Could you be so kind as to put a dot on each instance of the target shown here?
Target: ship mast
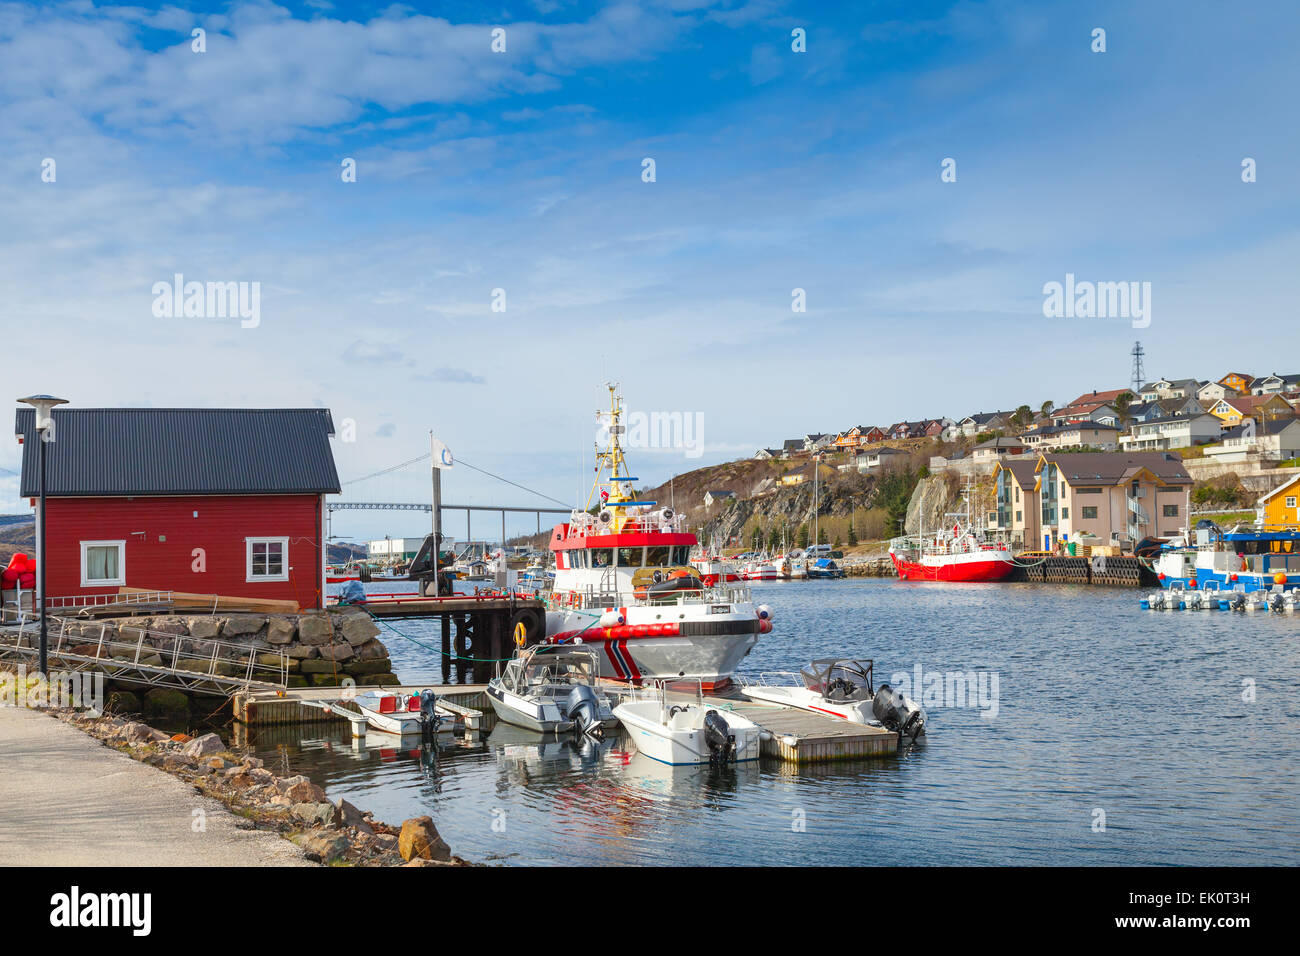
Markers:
(618, 484)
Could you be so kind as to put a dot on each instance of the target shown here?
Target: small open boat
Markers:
(551, 688)
(688, 733)
(400, 713)
(842, 687)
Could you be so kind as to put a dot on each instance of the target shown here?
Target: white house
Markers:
(1164, 433)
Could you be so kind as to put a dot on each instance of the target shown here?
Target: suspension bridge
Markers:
(556, 507)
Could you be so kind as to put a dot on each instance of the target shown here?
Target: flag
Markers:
(441, 453)
(604, 495)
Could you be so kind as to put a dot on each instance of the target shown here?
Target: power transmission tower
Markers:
(1139, 374)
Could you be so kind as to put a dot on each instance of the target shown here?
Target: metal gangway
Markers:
(141, 655)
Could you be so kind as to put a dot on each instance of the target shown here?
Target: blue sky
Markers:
(521, 170)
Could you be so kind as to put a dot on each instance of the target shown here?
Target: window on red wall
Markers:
(267, 559)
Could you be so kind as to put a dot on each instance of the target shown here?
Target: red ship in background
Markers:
(959, 553)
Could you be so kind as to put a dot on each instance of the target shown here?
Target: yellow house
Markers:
(1278, 508)
(1230, 411)
(794, 479)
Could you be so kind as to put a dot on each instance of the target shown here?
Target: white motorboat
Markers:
(689, 733)
(842, 687)
(551, 688)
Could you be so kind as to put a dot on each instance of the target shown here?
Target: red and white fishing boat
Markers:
(624, 584)
(958, 554)
(714, 570)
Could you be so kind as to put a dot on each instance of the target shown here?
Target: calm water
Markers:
(1100, 706)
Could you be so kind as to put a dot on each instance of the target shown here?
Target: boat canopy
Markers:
(547, 665)
(839, 678)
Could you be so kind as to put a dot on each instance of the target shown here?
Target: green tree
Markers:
(821, 535)
(756, 539)
(803, 536)
(1123, 402)
(1046, 408)
(773, 539)
(853, 534)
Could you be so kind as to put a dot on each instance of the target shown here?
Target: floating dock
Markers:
(793, 736)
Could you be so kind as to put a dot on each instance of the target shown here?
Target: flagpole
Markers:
(437, 510)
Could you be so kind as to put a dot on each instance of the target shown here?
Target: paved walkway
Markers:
(67, 800)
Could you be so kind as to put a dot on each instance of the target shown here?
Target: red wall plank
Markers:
(162, 534)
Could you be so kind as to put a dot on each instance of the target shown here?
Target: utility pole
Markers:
(436, 468)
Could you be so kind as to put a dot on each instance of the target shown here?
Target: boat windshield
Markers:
(837, 679)
(569, 667)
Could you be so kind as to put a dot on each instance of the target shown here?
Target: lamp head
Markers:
(43, 404)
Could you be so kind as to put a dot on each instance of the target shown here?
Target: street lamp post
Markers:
(43, 404)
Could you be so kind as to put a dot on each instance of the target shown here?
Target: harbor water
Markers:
(1098, 734)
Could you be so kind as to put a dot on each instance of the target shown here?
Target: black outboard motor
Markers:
(718, 735)
(1237, 601)
(583, 708)
(898, 712)
(1276, 601)
(430, 718)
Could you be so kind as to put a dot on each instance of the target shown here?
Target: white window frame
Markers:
(120, 580)
(249, 577)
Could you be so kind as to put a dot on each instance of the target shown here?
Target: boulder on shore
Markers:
(419, 839)
(204, 746)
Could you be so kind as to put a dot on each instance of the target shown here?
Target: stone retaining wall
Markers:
(323, 647)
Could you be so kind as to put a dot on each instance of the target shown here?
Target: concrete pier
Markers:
(67, 800)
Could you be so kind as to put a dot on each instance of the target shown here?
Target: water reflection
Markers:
(1102, 705)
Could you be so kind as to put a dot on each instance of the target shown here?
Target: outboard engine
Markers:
(430, 718)
(1276, 601)
(898, 712)
(583, 708)
(718, 735)
(1237, 601)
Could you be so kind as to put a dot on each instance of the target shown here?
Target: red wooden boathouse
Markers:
(215, 501)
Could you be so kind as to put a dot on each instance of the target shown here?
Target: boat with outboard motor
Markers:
(551, 688)
(1255, 559)
(689, 732)
(398, 712)
(624, 584)
(842, 687)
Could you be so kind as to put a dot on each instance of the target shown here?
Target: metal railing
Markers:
(592, 598)
(79, 601)
(143, 655)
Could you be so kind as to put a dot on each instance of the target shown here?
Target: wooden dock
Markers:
(260, 708)
(477, 631)
(794, 736)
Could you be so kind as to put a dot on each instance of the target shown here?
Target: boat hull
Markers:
(543, 717)
(663, 649)
(680, 747)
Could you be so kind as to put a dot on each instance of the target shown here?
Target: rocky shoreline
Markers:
(331, 833)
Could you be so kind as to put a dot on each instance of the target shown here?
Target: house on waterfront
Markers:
(1104, 496)
(1279, 509)
(215, 501)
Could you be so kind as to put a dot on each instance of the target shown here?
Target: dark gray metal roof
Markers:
(181, 451)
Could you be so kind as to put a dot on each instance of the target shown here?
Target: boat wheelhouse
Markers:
(624, 583)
